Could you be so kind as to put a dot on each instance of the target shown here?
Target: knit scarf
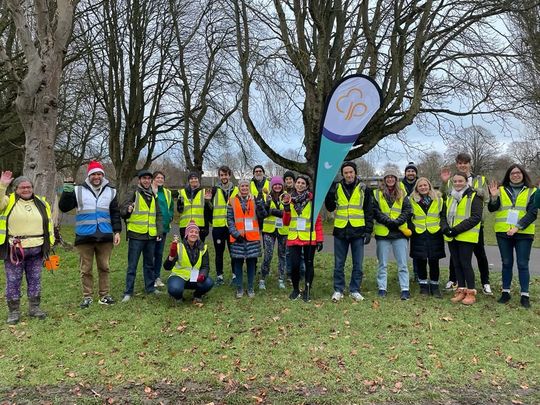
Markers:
(456, 198)
(300, 200)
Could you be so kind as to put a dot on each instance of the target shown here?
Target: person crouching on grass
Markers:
(301, 238)
(190, 266)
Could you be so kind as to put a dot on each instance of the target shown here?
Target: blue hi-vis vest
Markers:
(93, 212)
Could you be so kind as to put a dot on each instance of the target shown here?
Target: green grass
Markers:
(269, 349)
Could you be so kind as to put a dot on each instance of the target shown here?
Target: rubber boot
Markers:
(458, 295)
(435, 291)
(14, 315)
(424, 289)
(33, 308)
(470, 297)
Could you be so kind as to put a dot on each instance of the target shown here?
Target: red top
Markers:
(297, 242)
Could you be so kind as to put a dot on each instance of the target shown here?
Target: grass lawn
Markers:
(269, 349)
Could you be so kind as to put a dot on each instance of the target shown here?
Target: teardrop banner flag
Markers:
(350, 106)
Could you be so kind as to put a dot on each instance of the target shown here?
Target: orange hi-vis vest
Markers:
(243, 220)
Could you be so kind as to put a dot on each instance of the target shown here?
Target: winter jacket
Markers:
(427, 245)
(244, 249)
(125, 215)
(193, 253)
(68, 201)
(392, 224)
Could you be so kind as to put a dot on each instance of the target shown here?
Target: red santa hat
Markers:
(95, 166)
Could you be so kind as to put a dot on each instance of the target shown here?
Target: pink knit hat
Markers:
(94, 167)
(275, 180)
(190, 226)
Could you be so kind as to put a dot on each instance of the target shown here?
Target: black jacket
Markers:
(193, 254)
(477, 208)
(191, 193)
(125, 215)
(426, 245)
(392, 224)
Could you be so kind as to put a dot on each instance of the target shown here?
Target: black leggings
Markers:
(433, 269)
(220, 237)
(461, 257)
(296, 260)
(481, 258)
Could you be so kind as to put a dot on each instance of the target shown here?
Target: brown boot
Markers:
(470, 297)
(459, 294)
(14, 315)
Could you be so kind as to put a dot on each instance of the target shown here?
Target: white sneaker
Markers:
(126, 298)
(337, 296)
(262, 285)
(487, 289)
(450, 285)
(158, 283)
(281, 284)
(357, 296)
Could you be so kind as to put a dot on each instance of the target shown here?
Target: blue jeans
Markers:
(523, 253)
(341, 249)
(135, 248)
(158, 256)
(176, 286)
(399, 246)
(251, 264)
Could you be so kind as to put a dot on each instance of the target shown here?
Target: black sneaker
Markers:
(524, 300)
(424, 289)
(220, 280)
(505, 297)
(382, 293)
(107, 300)
(294, 295)
(86, 302)
(405, 295)
(306, 296)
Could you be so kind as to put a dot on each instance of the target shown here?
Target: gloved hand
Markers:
(450, 232)
(173, 251)
(319, 246)
(201, 278)
(69, 187)
(240, 239)
(392, 225)
(367, 238)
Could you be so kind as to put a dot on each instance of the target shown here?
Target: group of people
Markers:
(408, 216)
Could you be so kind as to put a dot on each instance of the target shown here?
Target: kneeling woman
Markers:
(463, 215)
(190, 265)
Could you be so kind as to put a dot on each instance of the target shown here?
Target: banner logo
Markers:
(350, 104)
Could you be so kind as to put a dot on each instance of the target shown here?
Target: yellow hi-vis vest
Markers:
(271, 222)
(349, 211)
(430, 220)
(253, 188)
(168, 196)
(182, 267)
(463, 212)
(393, 212)
(521, 206)
(219, 214)
(4, 214)
(193, 209)
(294, 232)
(143, 218)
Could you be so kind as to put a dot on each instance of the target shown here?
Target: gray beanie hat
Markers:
(391, 172)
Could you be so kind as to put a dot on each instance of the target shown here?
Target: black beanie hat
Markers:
(258, 167)
(411, 165)
(349, 164)
(288, 173)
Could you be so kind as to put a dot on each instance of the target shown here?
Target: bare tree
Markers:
(430, 165)
(478, 142)
(43, 30)
(206, 81)
(423, 54)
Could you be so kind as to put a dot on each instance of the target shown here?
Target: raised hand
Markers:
(494, 188)
(6, 178)
(446, 173)
(208, 194)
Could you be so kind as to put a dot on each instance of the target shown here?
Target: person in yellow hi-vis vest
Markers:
(221, 194)
(26, 237)
(515, 213)
(391, 210)
(166, 206)
(274, 231)
(195, 204)
(463, 215)
(190, 266)
(427, 242)
(144, 227)
(353, 224)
